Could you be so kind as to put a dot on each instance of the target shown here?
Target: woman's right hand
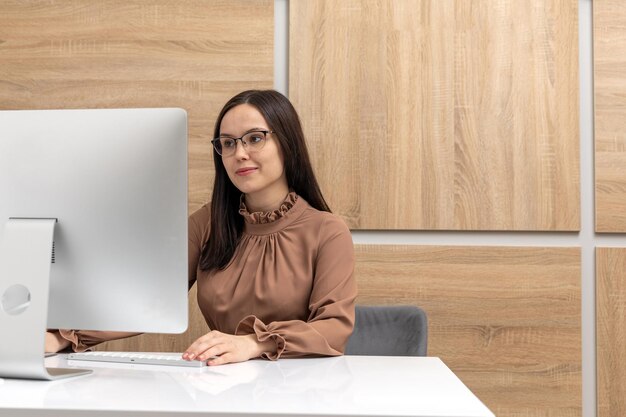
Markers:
(217, 348)
(54, 342)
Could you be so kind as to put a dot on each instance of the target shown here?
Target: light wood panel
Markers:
(611, 331)
(609, 56)
(506, 320)
(441, 114)
(162, 53)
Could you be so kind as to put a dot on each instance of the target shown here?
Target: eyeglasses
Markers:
(253, 142)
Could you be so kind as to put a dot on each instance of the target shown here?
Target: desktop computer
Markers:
(93, 227)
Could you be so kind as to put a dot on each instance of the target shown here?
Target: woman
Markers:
(274, 267)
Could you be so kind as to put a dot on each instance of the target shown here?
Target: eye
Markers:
(255, 138)
(228, 143)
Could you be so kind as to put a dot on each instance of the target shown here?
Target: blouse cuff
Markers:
(252, 325)
(76, 344)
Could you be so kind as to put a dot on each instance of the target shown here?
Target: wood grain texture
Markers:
(441, 114)
(611, 331)
(609, 62)
(506, 320)
(159, 53)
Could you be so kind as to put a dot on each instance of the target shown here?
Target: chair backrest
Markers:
(389, 331)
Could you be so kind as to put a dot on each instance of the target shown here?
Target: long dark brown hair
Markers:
(226, 222)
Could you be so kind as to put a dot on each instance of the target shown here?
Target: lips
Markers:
(245, 171)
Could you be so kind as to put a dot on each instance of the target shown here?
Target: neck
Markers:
(256, 203)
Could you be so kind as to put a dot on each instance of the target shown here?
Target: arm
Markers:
(80, 340)
(54, 341)
(331, 304)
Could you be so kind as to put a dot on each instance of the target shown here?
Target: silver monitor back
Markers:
(116, 181)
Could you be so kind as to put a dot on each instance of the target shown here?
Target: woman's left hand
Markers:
(218, 348)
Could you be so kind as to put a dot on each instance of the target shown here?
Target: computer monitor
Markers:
(93, 227)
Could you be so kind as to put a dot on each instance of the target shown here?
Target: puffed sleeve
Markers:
(81, 340)
(331, 303)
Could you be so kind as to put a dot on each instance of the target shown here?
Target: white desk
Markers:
(342, 386)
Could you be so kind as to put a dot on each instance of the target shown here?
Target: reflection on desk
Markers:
(348, 385)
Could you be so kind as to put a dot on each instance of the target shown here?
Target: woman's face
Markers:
(260, 174)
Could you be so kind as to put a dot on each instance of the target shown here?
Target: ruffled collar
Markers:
(264, 217)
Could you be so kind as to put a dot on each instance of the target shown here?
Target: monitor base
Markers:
(59, 373)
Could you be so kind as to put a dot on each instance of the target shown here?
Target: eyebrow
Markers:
(254, 129)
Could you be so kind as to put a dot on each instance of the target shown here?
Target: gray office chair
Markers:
(389, 331)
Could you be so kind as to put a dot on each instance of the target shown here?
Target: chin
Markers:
(246, 188)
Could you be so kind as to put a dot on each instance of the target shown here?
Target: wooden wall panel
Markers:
(441, 114)
(93, 54)
(611, 331)
(506, 320)
(609, 55)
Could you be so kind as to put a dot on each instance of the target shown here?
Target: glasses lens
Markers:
(225, 145)
(217, 145)
(254, 140)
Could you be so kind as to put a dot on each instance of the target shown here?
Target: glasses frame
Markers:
(215, 141)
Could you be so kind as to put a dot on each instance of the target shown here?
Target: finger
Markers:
(221, 360)
(214, 352)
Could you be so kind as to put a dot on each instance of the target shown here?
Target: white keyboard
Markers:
(144, 358)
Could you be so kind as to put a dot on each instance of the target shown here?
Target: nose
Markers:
(240, 150)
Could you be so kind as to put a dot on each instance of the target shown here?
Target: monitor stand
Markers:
(25, 258)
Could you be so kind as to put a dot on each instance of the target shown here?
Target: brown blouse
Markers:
(291, 280)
